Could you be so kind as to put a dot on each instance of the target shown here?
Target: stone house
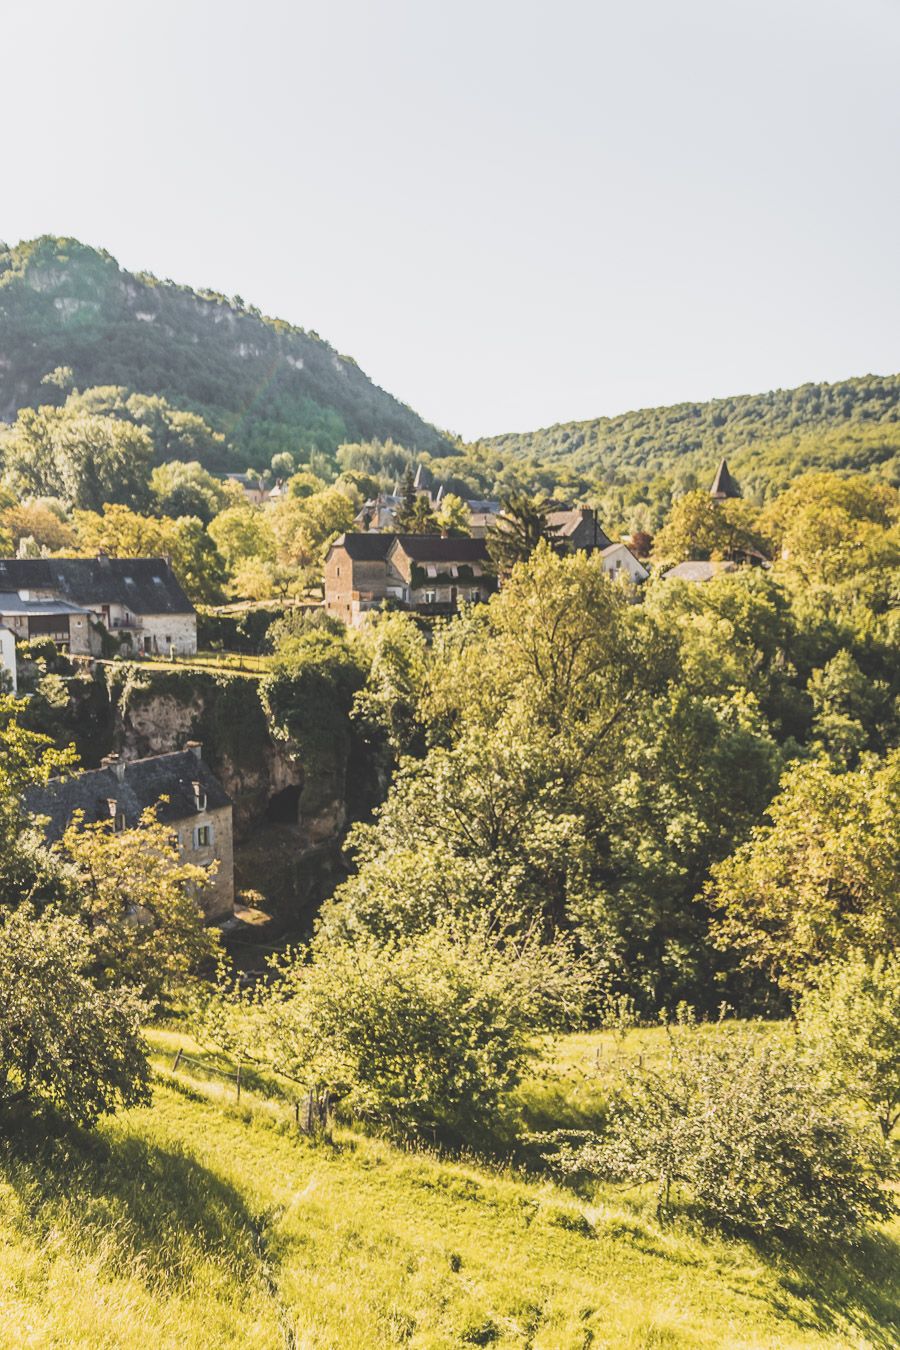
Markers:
(356, 574)
(72, 600)
(426, 573)
(434, 575)
(188, 798)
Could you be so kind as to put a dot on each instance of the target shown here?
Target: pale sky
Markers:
(510, 213)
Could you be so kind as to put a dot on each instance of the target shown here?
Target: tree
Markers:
(241, 533)
(522, 525)
(453, 516)
(699, 527)
(186, 489)
(821, 878)
(39, 520)
(405, 514)
(283, 465)
(741, 1123)
(140, 904)
(85, 460)
(63, 1040)
(852, 1016)
(426, 1034)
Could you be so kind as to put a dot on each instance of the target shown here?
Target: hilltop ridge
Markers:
(265, 383)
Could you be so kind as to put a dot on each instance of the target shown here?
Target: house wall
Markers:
(351, 586)
(621, 561)
(218, 900)
(168, 632)
(82, 639)
(8, 655)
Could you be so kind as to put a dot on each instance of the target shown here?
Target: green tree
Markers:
(852, 1016)
(63, 1040)
(428, 1034)
(698, 527)
(85, 460)
(521, 526)
(740, 1124)
(820, 878)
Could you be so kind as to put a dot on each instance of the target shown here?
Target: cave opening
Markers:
(284, 807)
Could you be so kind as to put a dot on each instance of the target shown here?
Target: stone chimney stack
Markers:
(195, 748)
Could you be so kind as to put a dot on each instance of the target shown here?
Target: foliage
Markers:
(521, 526)
(140, 902)
(64, 1040)
(268, 386)
(699, 527)
(853, 1015)
(122, 533)
(821, 878)
(85, 460)
(430, 1033)
(742, 1123)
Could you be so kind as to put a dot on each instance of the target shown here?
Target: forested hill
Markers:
(265, 384)
(768, 438)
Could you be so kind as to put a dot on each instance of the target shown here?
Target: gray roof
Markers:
(142, 585)
(698, 571)
(143, 783)
(10, 603)
(483, 506)
(433, 548)
(569, 520)
(723, 484)
(366, 546)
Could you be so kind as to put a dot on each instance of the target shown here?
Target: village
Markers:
(79, 604)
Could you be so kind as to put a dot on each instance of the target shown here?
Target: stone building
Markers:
(427, 573)
(188, 798)
(577, 530)
(72, 600)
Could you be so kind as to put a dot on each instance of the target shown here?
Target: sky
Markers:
(510, 213)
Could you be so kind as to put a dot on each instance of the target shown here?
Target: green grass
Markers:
(199, 1223)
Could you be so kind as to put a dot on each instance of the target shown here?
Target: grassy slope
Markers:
(196, 1224)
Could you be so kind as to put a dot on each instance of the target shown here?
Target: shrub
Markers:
(741, 1122)
(425, 1034)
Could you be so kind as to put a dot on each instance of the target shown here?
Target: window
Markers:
(203, 836)
(430, 597)
(337, 571)
(168, 639)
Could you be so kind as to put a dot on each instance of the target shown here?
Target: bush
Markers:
(427, 1034)
(741, 1122)
(63, 1040)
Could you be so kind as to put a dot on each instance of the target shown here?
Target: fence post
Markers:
(238, 1081)
(177, 1060)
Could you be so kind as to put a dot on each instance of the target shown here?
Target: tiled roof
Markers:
(142, 585)
(144, 782)
(367, 546)
(723, 484)
(11, 603)
(698, 571)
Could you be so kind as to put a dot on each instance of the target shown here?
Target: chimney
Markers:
(116, 762)
(195, 748)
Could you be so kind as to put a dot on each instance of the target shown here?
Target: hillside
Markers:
(267, 385)
(768, 438)
(199, 1223)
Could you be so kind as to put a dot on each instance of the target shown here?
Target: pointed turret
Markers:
(723, 484)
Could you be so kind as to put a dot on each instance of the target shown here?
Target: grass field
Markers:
(197, 1222)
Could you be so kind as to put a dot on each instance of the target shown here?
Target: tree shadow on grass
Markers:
(139, 1205)
(858, 1286)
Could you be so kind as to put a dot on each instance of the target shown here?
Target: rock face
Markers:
(290, 815)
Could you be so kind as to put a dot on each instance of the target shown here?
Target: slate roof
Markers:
(723, 484)
(367, 546)
(432, 548)
(143, 585)
(144, 782)
(567, 522)
(483, 506)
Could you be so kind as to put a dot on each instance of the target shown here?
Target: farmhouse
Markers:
(577, 530)
(181, 786)
(72, 600)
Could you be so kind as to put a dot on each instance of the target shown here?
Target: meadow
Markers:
(200, 1221)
